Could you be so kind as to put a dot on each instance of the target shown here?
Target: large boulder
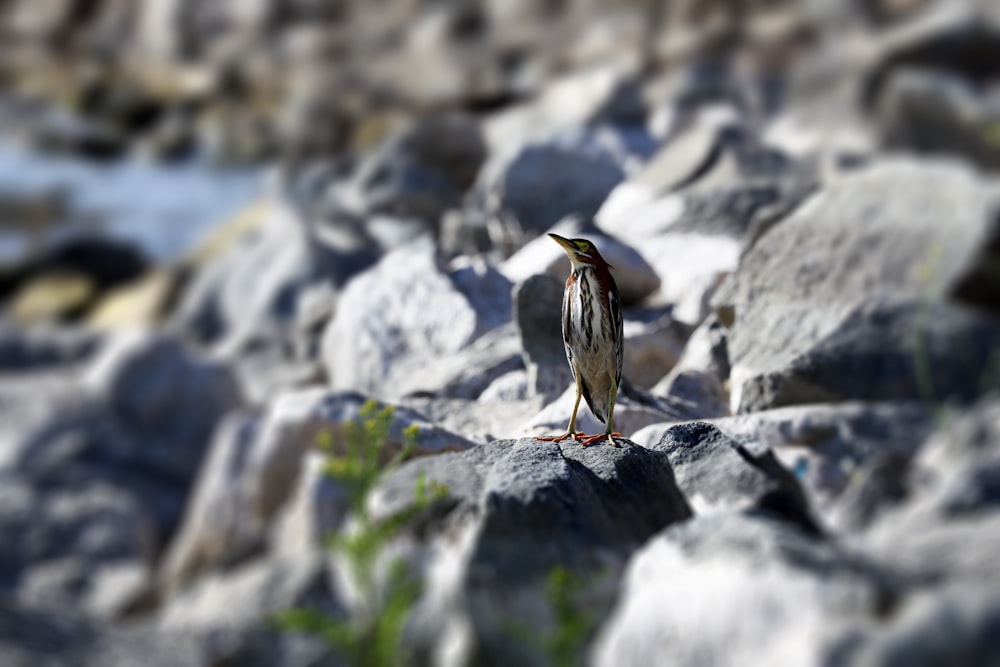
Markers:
(407, 309)
(84, 548)
(419, 174)
(543, 182)
(690, 267)
(939, 539)
(817, 315)
(938, 113)
(734, 589)
(716, 473)
(36, 348)
(250, 289)
(654, 342)
(849, 458)
(590, 97)
(960, 40)
(97, 470)
(714, 177)
(953, 626)
(166, 397)
(945, 529)
(513, 511)
(255, 467)
(467, 373)
(698, 376)
(538, 317)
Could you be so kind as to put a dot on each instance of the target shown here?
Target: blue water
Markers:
(164, 208)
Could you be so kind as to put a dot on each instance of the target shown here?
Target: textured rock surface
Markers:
(717, 473)
(514, 510)
(810, 323)
(767, 593)
(800, 204)
(541, 183)
(97, 469)
(406, 309)
(253, 468)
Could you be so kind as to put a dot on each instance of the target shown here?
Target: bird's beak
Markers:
(566, 244)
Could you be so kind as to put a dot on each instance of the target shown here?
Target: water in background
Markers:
(163, 208)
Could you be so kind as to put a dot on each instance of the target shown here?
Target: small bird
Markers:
(592, 335)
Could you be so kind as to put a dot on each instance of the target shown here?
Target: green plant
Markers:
(574, 622)
(563, 642)
(372, 638)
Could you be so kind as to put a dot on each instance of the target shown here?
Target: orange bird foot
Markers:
(560, 438)
(591, 439)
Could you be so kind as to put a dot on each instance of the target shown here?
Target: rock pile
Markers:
(802, 207)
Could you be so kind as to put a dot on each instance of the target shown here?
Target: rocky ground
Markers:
(802, 206)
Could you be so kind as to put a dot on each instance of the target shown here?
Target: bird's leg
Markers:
(572, 432)
(609, 432)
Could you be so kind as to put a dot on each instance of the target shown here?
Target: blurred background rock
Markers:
(226, 225)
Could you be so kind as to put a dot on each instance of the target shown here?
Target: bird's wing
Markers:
(567, 325)
(590, 402)
(615, 310)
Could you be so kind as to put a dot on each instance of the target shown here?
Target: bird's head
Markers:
(581, 252)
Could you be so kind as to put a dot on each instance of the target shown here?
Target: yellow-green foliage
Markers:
(574, 623)
(372, 639)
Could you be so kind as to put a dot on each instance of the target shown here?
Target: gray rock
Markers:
(482, 420)
(654, 342)
(947, 529)
(248, 595)
(716, 473)
(406, 309)
(316, 509)
(635, 278)
(690, 152)
(957, 39)
(702, 392)
(254, 466)
(514, 510)
(820, 317)
(690, 268)
(543, 182)
(828, 444)
(937, 113)
(961, 462)
(514, 386)
(29, 637)
(35, 637)
(952, 474)
(538, 317)
(251, 291)
(767, 594)
(451, 144)
(705, 351)
(831, 449)
(99, 469)
(602, 94)
(698, 377)
(165, 397)
(419, 174)
(721, 176)
(64, 545)
(467, 373)
(32, 349)
(951, 627)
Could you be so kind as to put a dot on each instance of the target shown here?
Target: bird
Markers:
(592, 336)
